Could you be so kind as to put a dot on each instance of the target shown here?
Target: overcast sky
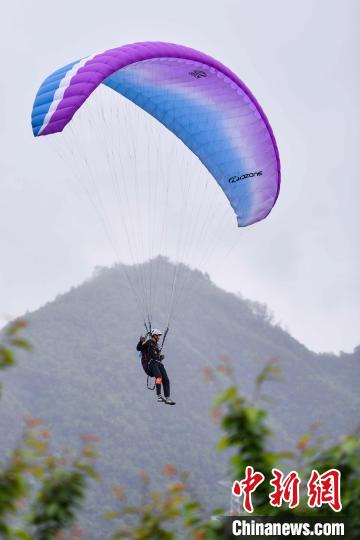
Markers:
(299, 58)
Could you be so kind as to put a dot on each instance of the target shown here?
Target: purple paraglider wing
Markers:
(196, 97)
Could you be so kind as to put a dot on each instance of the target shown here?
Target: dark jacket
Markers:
(149, 350)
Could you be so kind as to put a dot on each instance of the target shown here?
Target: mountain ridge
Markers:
(84, 376)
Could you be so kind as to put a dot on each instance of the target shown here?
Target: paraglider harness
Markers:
(149, 385)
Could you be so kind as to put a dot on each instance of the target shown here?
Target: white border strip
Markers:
(64, 84)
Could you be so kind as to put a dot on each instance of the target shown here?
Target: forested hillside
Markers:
(84, 376)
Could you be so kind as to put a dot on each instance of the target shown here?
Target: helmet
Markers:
(156, 332)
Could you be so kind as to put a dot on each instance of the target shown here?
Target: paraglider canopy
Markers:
(196, 97)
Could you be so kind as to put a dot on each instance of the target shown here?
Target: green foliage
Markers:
(40, 492)
(163, 514)
(344, 456)
(10, 342)
(270, 372)
(248, 435)
(86, 376)
(57, 502)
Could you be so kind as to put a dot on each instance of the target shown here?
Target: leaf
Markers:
(37, 472)
(303, 442)
(309, 452)
(21, 343)
(270, 372)
(218, 511)
(89, 470)
(279, 455)
(178, 487)
(15, 326)
(89, 452)
(222, 444)
(228, 395)
(192, 521)
(113, 514)
(22, 535)
(350, 444)
(6, 357)
(190, 506)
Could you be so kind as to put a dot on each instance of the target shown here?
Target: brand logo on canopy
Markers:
(234, 179)
(198, 73)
